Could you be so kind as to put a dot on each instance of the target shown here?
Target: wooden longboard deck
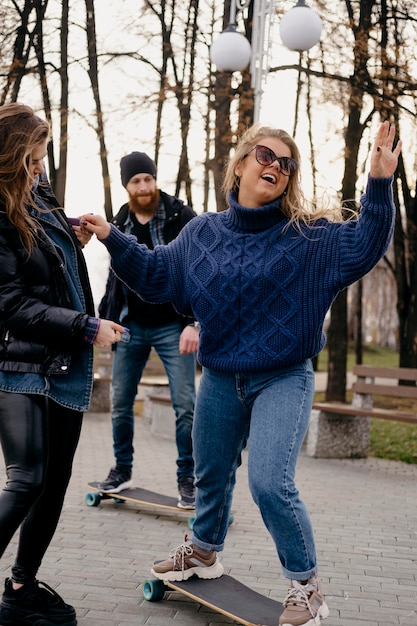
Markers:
(228, 596)
(143, 497)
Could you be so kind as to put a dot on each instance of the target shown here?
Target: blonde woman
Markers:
(260, 278)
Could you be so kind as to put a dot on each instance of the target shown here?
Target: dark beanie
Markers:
(136, 163)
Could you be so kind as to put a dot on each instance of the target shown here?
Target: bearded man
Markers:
(153, 217)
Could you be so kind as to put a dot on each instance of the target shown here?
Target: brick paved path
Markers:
(364, 514)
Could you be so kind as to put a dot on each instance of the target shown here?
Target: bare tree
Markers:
(58, 174)
(337, 332)
(377, 86)
(93, 74)
(362, 66)
(173, 18)
(24, 34)
(224, 93)
(29, 60)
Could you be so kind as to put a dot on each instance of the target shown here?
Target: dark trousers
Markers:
(39, 438)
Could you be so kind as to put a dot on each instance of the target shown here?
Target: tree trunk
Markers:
(358, 325)
(61, 172)
(405, 246)
(93, 74)
(23, 43)
(222, 134)
(337, 335)
(337, 348)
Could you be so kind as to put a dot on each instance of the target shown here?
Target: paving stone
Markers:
(363, 510)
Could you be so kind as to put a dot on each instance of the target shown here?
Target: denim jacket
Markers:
(45, 305)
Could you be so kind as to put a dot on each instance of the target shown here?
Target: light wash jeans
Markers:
(128, 364)
(270, 412)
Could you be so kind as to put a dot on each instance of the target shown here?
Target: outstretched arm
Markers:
(384, 159)
(143, 270)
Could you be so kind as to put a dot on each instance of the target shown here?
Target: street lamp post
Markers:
(300, 29)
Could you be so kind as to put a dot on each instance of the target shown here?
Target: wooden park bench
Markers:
(384, 382)
(339, 430)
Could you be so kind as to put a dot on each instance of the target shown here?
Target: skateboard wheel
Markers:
(93, 498)
(153, 589)
(231, 519)
(118, 501)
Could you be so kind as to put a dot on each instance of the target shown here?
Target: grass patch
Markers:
(372, 355)
(392, 440)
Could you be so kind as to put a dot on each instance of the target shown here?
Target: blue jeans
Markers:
(270, 411)
(128, 364)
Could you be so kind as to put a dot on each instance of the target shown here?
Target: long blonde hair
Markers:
(294, 204)
(21, 131)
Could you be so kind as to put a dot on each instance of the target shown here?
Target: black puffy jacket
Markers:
(38, 327)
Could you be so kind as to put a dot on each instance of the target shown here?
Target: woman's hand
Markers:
(384, 159)
(108, 333)
(82, 235)
(95, 224)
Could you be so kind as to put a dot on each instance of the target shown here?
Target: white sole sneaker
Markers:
(121, 487)
(214, 571)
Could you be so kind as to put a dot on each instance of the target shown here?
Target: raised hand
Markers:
(384, 159)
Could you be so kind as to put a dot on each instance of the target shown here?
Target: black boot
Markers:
(34, 604)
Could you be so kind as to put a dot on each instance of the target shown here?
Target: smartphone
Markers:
(75, 221)
(125, 336)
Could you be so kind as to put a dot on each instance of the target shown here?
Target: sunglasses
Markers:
(265, 156)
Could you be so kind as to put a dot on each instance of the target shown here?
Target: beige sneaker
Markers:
(304, 605)
(187, 560)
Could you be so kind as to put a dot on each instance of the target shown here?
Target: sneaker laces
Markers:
(298, 595)
(179, 555)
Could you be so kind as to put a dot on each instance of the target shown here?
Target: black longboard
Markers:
(137, 495)
(225, 595)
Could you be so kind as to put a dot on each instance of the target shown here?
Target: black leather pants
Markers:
(39, 438)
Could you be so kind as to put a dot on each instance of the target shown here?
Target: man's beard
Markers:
(146, 205)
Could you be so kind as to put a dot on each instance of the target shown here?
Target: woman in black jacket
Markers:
(47, 332)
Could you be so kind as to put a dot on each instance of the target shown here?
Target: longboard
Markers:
(144, 497)
(225, 595)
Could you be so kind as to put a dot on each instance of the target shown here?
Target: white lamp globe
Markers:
(300, 28)
(231, 52)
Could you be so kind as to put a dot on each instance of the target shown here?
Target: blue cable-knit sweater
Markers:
(259, 288)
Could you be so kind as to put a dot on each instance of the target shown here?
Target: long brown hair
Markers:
(294, 204)
(21, 131)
